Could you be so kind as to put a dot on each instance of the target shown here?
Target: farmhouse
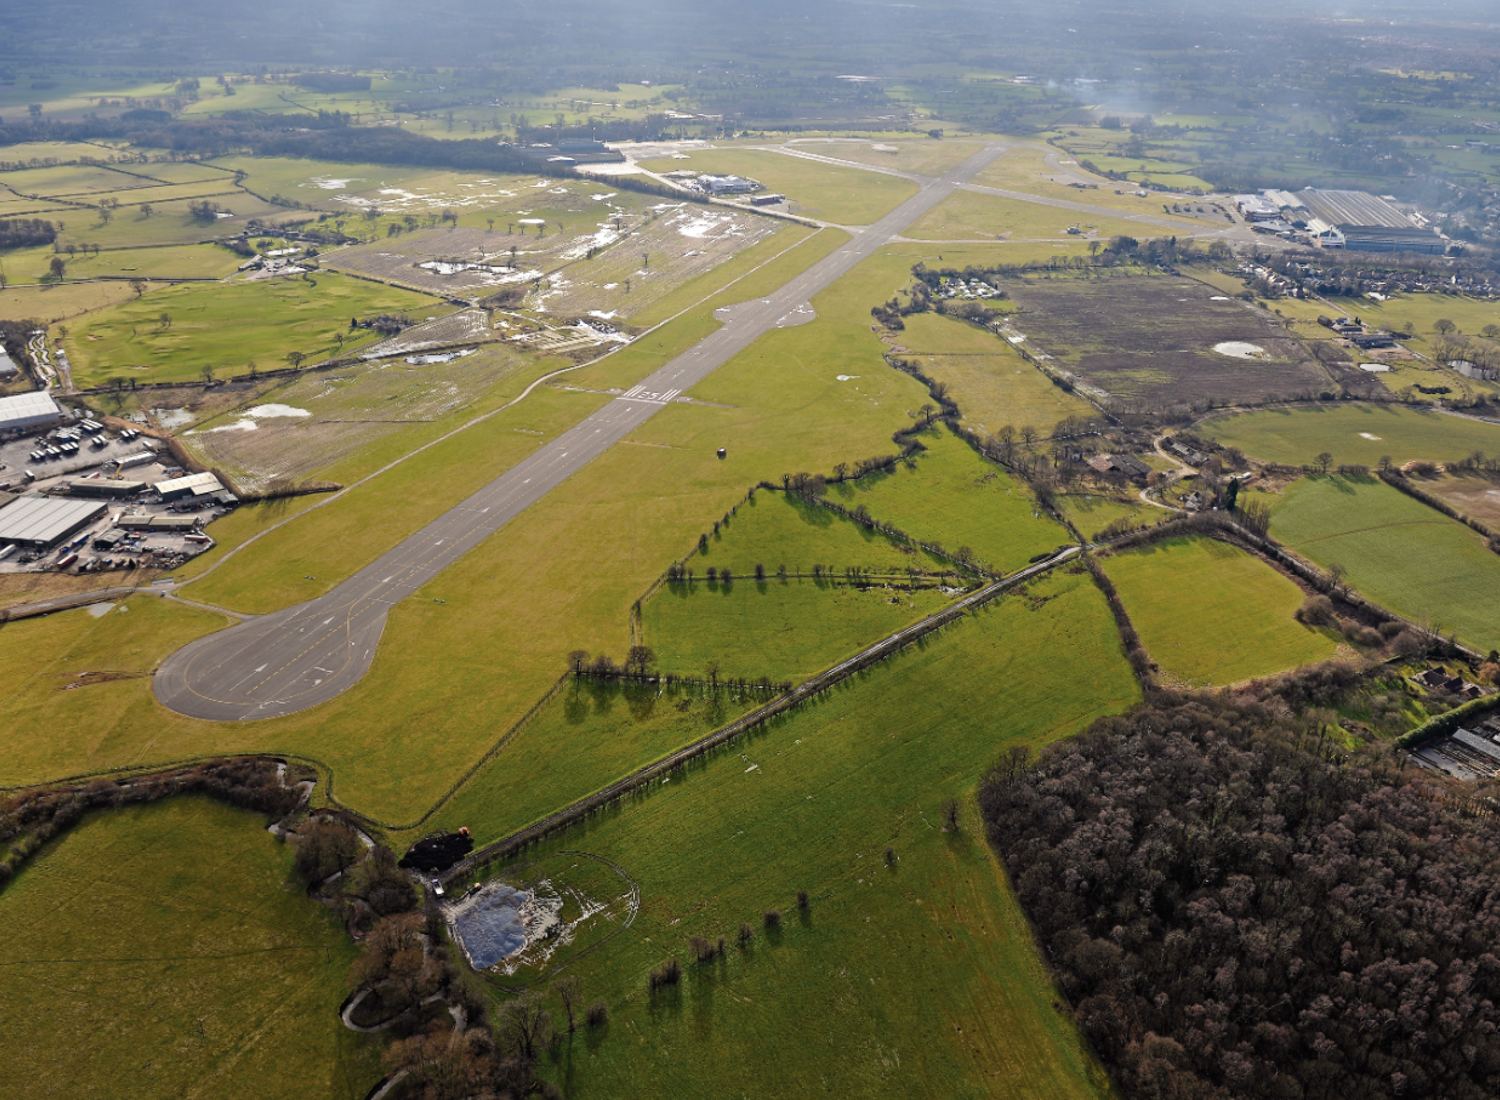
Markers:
(1120, 464)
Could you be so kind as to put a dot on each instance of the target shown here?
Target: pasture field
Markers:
(951, 496)
(811, 802)
(1353, 434)
(1091, 513)
(171, 222)
(923, 156)
(988, 378)
(166, 950)
(153, 264)
(782, 629)
(1211, 614)
(971, 215)
(74, 181)
(61, 301)
(1473, 493)
(1149, 340)
(24, 153)
(1410, 558)
(779, 529)
(827, 192)
(226, 325)
(591, 733)
(15, 206)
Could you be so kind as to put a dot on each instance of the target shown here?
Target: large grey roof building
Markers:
(43, 522)
(1365, 223)
(28, 410)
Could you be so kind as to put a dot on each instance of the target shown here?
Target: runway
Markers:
(281, 663)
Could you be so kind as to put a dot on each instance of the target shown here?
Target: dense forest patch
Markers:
(1236, 907)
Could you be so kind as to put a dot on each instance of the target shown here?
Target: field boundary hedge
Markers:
(1443, 724)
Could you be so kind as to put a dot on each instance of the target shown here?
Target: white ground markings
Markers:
(640, 393)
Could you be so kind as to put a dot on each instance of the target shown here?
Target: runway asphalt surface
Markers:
(277, 664)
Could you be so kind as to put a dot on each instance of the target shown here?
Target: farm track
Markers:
(823, 681)
(291, 660)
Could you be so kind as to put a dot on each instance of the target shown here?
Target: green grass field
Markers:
(949, 495)
(783, 629)
(1413, 560)
(916, 979)
(1212, 614)
(227, 325)
(587, 736)
(988, 378)
(166, 950)
(152, 264)
(775, 529)
(828, 192)
(1091, 513)
(1353, 434)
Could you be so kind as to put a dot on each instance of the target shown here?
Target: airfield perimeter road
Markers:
(290, 660)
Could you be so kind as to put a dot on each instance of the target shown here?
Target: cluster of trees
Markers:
(1236, 906)
(26, 232)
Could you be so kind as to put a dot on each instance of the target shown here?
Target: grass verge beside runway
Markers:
(165, 950)
(812, 802)
(1212, 614)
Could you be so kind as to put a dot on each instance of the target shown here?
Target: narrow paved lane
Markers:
(290, 660)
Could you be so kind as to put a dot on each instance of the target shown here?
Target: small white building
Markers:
(727, 185)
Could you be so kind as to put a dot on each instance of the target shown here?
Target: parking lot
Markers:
(120, 471)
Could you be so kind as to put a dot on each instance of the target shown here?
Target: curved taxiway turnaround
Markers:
(277, 664)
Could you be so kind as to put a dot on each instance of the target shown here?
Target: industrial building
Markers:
(148, 522)
(104, 488)
(28, 410)
(193, 485)
(42, 522)
(726, 185)
(1352, 220)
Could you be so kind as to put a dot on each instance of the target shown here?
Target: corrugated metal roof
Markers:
(27, 406)
(195, 484)
(42, 519)
(1344, 208)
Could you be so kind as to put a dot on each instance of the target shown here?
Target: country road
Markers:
(290, 660)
